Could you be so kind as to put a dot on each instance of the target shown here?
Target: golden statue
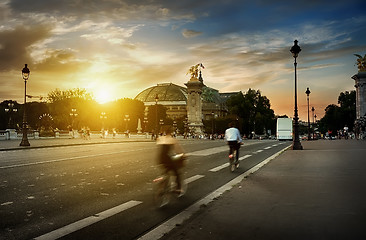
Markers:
(194, 71)
(361, 63)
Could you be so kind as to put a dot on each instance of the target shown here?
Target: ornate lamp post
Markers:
(103, 117)
(156, 114)
(212, 124)
(295, 50)
(25, 75)
(313, 110)
(73, 115)
(127, 119)
(10, 109)
(145, 123)
(307, 94)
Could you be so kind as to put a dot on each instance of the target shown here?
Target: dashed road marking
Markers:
(209, 151)
(258, 151)
(193, 178)
(244, 157)
(218, 168)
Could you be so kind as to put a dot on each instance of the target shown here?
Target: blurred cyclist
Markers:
(170, 155)
(233, 138)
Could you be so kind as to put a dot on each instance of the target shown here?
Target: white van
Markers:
(284, 129)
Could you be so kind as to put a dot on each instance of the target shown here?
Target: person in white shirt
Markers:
(233, 138)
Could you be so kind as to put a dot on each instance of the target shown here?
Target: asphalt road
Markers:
(104, 191)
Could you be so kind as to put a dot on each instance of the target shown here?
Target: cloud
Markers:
(190, 33)
(15, 45)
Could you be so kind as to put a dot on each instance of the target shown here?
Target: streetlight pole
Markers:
(296, 142)
(10, 109)
(127, 119)
(212, 125)
(313, 110)
(25, 75)
(156, 115)
(307, 94)
(103, 117)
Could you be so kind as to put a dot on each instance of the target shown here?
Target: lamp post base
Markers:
(24, 141)
(296, 145)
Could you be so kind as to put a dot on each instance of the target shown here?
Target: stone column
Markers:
(194, 104)
(360, 85)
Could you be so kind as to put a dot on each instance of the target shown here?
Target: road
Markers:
(104, 191)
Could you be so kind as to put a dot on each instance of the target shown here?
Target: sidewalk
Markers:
(67, 141)
(316, 193)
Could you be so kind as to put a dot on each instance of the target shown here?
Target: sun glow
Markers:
(103, 96)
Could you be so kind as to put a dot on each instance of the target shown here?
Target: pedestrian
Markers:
(71, 132)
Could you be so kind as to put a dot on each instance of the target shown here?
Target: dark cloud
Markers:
(60, 62)
(96, 9)
(190, 33)
(15, 43)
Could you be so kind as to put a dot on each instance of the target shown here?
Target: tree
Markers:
(253, 111)
(337, 117)
(61, 103)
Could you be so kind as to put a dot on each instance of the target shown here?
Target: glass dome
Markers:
(165, 91)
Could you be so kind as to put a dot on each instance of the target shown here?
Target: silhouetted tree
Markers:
(253, 111)
(337, 117)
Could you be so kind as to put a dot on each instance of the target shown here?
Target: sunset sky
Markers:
(117, 48)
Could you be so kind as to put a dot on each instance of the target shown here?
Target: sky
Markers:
(117, 48)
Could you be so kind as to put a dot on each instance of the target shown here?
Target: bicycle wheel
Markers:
(236, 161)
(161, 191)
(184, 186)
(232, 161)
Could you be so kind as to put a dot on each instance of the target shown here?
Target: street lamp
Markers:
(145, 123)
(156, 114)
(103, 117)
(25, 75)
(295, 50)
(212, 124)
(313, 110)
(307, 94)
(10, 109)
(73, 115)
(127, 119)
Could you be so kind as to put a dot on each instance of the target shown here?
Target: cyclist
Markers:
(233, 138)
(168, 149)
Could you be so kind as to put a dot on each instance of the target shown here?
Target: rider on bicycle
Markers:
(233, 138)
(168, 149)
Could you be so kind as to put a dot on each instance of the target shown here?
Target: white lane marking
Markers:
(267, 148)
(260, 150)
(244, 157)
(177, 220)
(209, 151)
(87, 221)
(193, 178)
(218, 168)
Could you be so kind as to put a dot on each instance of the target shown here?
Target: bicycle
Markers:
(234, 164)
(165, 186)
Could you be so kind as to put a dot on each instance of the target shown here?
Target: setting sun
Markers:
(103, 96)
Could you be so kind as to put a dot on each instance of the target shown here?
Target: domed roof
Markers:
(165, 92)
